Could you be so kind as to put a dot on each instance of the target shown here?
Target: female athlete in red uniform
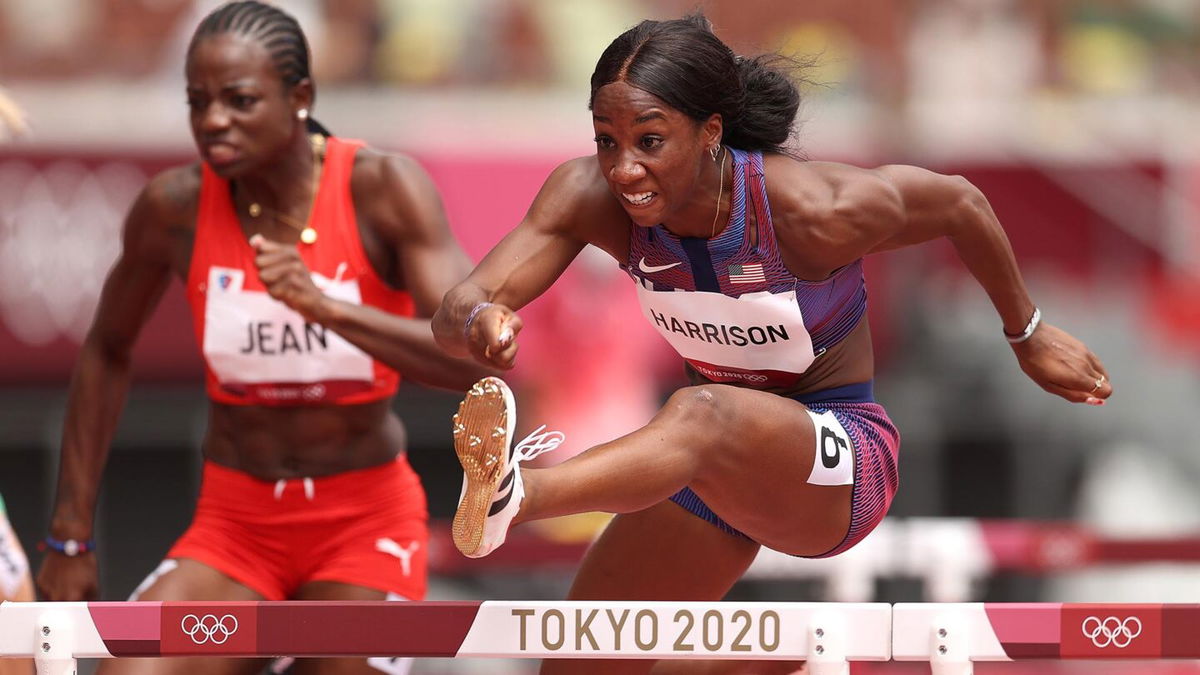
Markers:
(749, 263)
(306, 259)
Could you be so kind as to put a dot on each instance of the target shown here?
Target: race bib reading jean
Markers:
(252, 339)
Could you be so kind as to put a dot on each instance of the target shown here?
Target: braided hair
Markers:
(276, 30)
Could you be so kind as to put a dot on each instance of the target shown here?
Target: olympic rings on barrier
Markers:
(948, 636)
(1118, 633)
(209, 628)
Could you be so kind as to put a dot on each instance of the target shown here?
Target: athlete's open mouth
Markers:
(639, 198)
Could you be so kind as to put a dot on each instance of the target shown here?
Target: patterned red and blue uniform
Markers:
(737, 316)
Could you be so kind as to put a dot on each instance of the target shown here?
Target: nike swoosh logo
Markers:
(651, 269)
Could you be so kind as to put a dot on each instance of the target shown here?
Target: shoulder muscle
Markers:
(168, 203)
(831, 214)
(397, 195)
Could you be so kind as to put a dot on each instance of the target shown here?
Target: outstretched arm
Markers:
(100, 380)
(929, 205)
(571, 210)
(401, 206)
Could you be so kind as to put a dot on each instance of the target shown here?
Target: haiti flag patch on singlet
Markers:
(261, 349)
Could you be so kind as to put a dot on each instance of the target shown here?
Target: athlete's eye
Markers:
(651, 142)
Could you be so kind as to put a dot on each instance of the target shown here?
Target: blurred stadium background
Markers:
(1078, 118)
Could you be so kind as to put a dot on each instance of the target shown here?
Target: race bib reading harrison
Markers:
(756, 331)
(252, 340)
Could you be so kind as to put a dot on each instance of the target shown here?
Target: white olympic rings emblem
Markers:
(1112, 631)
(209, 628)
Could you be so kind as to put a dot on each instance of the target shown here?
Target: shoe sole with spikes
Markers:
(483, 430)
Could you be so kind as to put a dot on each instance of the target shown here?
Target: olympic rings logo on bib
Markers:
(1118, 633)
(728, 374)
(209, 628)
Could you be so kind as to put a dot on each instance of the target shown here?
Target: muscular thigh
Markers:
(184, 580)
(661, 553)
(759, 457)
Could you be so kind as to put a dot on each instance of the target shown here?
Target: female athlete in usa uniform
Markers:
(307, 259)
(749, 263)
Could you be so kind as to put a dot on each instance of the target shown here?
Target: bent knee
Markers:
(699, 403)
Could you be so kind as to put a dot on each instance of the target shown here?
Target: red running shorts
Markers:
(367, 527)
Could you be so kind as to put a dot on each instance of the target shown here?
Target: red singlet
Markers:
(257, 350)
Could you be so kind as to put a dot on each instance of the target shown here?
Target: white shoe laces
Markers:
(537, 442)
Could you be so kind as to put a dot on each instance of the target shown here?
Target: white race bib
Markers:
(756, 331)
(833, 459)
(251, 338)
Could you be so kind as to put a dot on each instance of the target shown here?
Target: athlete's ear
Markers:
(712, 130)
(301, 96)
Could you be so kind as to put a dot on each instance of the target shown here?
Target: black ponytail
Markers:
(766, 116)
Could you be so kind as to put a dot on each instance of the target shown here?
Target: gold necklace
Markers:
(720, 192)
(308, 234)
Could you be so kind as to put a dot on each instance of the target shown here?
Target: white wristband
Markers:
(1029, 328)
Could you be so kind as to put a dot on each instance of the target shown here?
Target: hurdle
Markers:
(952, 637)
(826, 635)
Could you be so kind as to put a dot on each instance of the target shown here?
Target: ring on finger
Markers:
(1099, 382)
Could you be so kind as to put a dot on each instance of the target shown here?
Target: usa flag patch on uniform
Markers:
(746, 274)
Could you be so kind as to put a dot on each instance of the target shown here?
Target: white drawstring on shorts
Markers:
(310, 488)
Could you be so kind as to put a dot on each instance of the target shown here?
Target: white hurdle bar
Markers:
(951, 637)
(826, 635)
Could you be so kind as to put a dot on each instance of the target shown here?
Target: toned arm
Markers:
(100, 380)
(934, 206)
(572, 209)
(860, 211)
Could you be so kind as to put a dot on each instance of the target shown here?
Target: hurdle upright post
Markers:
(54, 640)
(950, 637)
(949, 649)
(827, 637)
